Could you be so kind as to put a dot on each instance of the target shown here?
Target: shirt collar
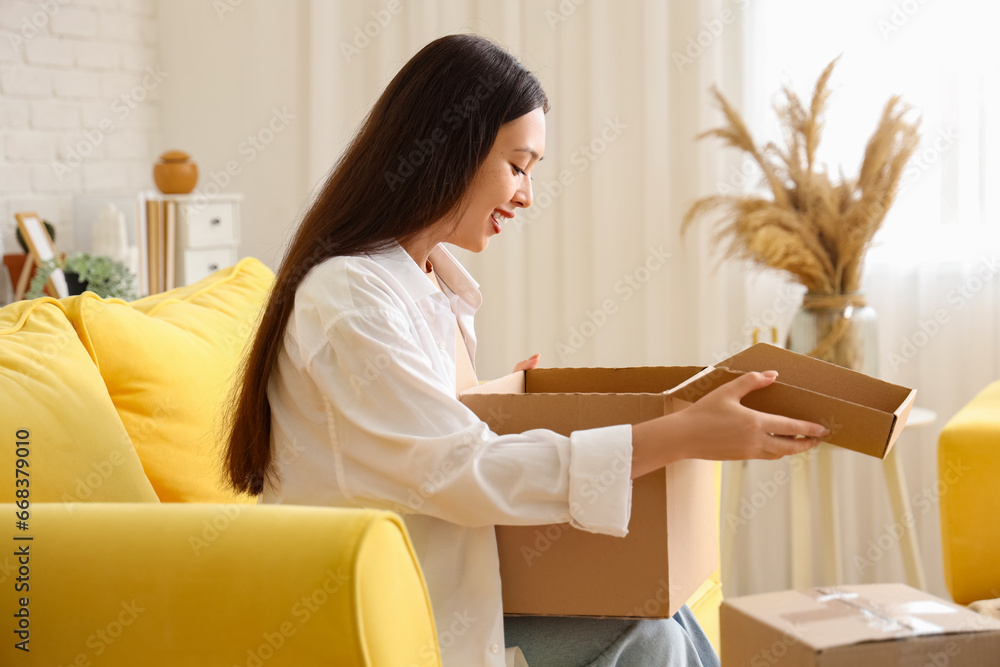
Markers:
(415, 281)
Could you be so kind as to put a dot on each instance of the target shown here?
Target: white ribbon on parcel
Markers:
(895, 620)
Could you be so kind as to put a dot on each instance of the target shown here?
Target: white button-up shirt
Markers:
(365, 414)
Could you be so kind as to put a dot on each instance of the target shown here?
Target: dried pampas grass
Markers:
(807, 225)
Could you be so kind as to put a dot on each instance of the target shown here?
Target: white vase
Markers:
(108, 236)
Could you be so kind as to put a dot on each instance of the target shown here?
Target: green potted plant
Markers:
(103, 276)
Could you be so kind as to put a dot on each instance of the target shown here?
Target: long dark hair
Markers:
(410, 165)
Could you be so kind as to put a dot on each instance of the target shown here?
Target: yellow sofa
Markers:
(130, 548)
(117, 405)
(968, 476)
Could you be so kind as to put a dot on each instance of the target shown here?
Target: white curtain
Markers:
(628, 84)
(595, 273)
(582, 277)
(933, 275)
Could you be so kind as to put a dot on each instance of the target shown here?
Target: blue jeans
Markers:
(550, 641)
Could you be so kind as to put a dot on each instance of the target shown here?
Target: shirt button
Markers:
(441, 346)
(494, 649)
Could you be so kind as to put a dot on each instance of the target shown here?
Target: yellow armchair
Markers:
(968, 476)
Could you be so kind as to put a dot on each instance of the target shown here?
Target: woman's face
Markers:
(502, 183)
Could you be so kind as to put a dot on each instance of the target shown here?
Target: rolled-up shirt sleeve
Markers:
(401, 440)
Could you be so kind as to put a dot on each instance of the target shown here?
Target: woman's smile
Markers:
(497, 215)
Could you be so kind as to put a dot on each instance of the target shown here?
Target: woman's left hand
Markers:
(528, 364)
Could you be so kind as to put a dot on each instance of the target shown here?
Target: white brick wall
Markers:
(70, 116)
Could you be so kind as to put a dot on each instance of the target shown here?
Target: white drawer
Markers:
(209, 225)
(201, 263)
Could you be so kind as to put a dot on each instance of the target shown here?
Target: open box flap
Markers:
(863, 413)
(819, 376)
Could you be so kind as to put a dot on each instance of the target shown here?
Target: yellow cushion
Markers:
(169, 363)
(235, 275)
(53, 398)
(968, 471)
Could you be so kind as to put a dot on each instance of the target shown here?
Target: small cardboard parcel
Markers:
(671, 547)
(869, 625)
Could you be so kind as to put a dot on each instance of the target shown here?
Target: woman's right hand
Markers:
(719, 428)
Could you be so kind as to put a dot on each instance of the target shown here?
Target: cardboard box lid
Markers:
(863, 413)
(827, 618)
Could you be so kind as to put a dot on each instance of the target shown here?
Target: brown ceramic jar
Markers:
(175, 173)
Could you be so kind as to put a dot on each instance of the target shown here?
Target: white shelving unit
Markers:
(206, 233)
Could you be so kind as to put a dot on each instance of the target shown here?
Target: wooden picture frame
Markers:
(40, 249)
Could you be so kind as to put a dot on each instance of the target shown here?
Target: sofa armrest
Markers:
(200, 584)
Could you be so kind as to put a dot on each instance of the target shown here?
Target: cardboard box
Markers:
(863, 413)
(874, 625)
(671, 547)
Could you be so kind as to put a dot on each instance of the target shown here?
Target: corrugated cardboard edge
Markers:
(902, 414)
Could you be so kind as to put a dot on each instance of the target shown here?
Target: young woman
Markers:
(349, 392)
